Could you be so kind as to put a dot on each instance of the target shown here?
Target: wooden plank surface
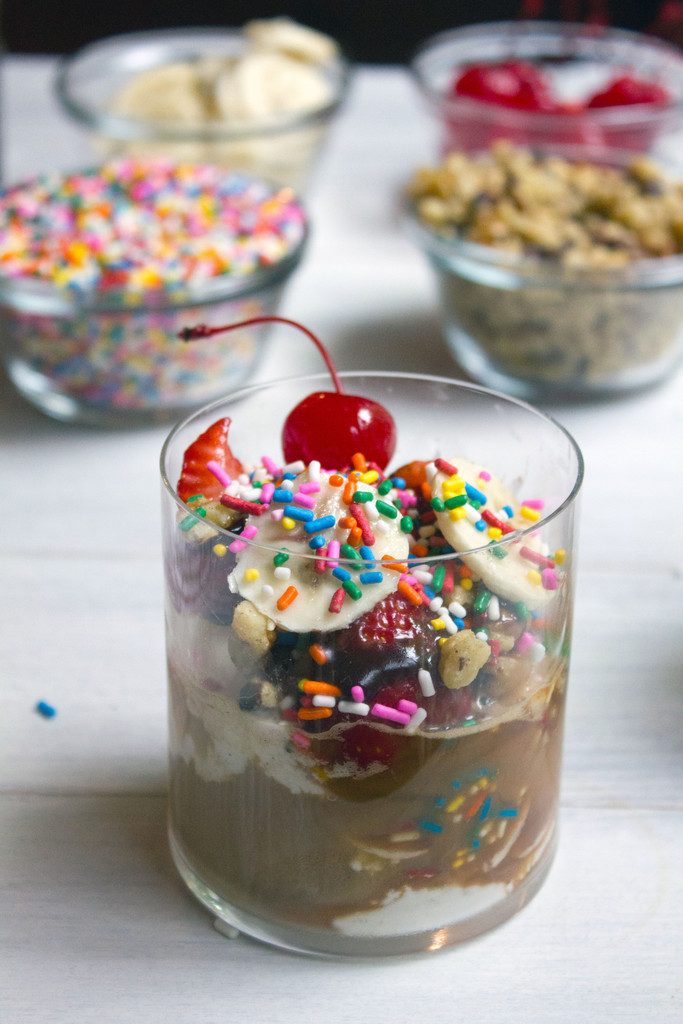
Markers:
(97, 928)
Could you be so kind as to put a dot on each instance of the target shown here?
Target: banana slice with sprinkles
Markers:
(301, 594)
(471, 502)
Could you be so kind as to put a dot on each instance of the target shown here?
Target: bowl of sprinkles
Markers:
(102, 269)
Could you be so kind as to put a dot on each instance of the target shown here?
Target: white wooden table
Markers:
(94, 924)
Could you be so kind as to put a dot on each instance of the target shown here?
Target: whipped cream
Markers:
(201, 666)
(235, 739)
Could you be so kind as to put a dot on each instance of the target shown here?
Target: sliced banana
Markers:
(263, 583)
(279, 71)
(169, 93)
(507, 577)
(289, 37)
(263, 84)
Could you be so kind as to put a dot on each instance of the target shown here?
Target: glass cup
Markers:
(538, 328)
(361, 833)
(542, 332)
(85, 350)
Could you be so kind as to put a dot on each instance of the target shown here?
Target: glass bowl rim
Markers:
(316, 379)
(602, 116)
(121, 127)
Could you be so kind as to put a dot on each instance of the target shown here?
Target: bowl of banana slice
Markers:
(258, 99)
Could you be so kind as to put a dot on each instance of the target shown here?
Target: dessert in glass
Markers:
(368, 640)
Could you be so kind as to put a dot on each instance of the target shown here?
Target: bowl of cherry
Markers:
(540, 83)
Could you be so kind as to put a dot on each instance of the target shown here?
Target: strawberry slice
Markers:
(414, 474)
(392, 622)
(391, 639)
(390, 694)
(210, 446)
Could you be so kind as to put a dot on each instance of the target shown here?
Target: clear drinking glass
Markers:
(361, 836)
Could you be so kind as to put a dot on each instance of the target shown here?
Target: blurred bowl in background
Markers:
(191, 95)
(577, 60)
(541, 324)
(100, 271)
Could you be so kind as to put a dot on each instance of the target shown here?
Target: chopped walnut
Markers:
(581, 214)
(462, 656)
(252, 627)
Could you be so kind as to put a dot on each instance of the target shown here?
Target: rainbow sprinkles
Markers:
(132, 227)
(101, 269)
(366, 537)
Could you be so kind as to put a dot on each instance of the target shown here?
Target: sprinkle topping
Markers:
(133, 227)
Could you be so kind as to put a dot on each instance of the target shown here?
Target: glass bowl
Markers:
(536, 328)
(578, 59)
(341, 828)
(111, 356)
(282, 149)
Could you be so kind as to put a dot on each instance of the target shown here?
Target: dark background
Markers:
(373, 31)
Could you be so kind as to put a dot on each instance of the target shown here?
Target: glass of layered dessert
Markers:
(368, 639)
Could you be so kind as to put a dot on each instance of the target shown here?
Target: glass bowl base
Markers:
(482, 368)
(320, 942)
(38, 390)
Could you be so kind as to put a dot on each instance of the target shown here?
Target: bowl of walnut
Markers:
(557, 274)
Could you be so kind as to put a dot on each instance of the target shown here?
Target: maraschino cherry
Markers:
(626, 90)
(329, 426)
(515, 84)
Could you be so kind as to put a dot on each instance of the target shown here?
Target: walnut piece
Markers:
(252, 627)
(461, 658)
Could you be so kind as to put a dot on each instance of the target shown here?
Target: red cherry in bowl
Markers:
(329, 426)
(332, 427)
(515, 84)
(626, 90)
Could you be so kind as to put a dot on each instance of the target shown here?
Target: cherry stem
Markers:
(204, 331)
